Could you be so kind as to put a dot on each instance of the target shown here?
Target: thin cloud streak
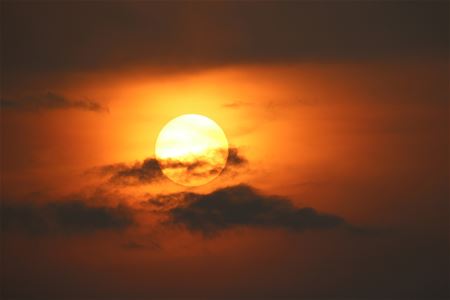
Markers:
(64, 217)
(51, 101)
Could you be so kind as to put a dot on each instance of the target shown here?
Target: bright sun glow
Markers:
(192, 150)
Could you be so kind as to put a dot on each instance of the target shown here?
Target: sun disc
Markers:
(192, 150)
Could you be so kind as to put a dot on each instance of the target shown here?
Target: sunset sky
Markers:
(336, 184)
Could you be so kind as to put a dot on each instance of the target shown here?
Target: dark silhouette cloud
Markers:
(64, 217)
(203, 168)
(144, 172)
(235, 158)
(209, 214)
(241, 205)
(149, 171)
(51, 101)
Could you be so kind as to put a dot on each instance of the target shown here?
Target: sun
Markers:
(191, 150)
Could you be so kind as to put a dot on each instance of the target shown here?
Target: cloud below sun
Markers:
(209, 214)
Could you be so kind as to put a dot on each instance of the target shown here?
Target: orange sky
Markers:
(358, 133)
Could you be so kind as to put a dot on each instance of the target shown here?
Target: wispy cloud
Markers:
(51, 101)
(64, 217)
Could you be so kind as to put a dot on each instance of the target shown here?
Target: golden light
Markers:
(192, 150)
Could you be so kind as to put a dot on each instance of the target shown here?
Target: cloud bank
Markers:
(242, 205)
(208, 214)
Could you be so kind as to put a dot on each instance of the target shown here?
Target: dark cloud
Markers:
(197, 168)
(76, 36)
(242, 205)
(149, 171)
(65, 217)
(144, 172)
(51, 101)
(235, 159)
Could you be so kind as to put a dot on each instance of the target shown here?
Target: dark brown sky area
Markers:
(69, 37)
(337, 179)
